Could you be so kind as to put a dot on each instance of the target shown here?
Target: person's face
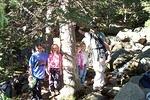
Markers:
(83, 47)
(81, 32)
(55, 48)
(39, 48)
(79, 49)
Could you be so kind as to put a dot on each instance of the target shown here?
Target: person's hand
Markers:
(48, 71)
(30, 71)
(108, 58)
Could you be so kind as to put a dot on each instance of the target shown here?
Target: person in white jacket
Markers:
(98, 57)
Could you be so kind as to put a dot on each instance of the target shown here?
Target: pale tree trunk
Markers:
(70, 77)
(48, 17)
(48, 34)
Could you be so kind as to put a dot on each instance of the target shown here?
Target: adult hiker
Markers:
(98, 48)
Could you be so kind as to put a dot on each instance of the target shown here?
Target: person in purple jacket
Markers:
(37, 67)
(81, 61)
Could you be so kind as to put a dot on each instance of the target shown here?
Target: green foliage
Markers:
(26, 24)
(52, 1)
(3, 19)
(146, 5)
(147, 23)
(13, 3)
(127, 13)
(77, 16)
(4, 97)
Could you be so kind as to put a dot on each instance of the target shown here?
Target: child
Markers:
(82, 61)
(54, 69)
(37, 64)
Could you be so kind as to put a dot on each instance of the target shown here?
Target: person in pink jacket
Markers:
(81, 61)
(54, 69)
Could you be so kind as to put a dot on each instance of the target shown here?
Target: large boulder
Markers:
(140, 35)
(145, 33)
(130, 91)
(135, 79)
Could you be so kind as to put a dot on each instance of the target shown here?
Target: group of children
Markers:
(41, 63)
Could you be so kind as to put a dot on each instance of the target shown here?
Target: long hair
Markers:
(55, 47)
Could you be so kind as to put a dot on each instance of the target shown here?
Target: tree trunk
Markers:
(48, 34)
(70, 76)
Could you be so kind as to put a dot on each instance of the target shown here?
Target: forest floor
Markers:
(85, 93)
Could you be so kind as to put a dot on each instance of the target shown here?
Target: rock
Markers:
(146, 90)
(130, 91)
(66, 92)
(144, 63)
(119, 58)
(145, 32)
(144, 54)
(127, 46)
(142, 41)
(135, 79)
(137, 46)
(95, 96)
(116, 46)
(146, 48)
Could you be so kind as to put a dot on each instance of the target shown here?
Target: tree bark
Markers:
(70, 76)
(48, 34)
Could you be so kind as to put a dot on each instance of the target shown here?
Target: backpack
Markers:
(99, 42)
(99, 45)
(102, 43)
